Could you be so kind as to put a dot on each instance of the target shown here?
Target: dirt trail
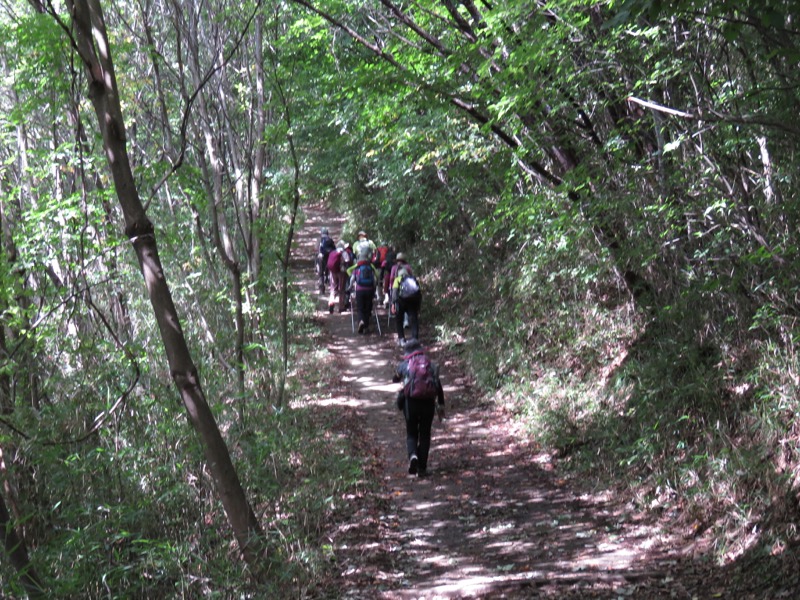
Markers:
(493, 519)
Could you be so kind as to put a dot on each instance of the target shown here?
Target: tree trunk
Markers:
(223, 238)
(91, 42)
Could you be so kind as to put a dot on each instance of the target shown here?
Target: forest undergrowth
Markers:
(693, 423)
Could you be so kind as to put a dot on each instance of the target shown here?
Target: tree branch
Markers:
(715, 116)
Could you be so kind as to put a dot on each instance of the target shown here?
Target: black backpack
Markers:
(389, 260)
(326, 245)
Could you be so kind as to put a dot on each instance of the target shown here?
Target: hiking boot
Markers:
(422, 472)
(330, 309)
(361, 327)
(412, 465)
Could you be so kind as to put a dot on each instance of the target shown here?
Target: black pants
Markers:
(322, 272)
(409, 306)
(419, 419)
(364, 304)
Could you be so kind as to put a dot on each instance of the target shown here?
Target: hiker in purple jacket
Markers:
(420, 398)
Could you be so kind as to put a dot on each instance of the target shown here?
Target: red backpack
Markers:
(380, 255)
(421, 381)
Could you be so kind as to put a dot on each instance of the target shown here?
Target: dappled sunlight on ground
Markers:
(340, 401)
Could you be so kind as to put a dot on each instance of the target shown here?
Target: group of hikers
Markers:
(366, 273)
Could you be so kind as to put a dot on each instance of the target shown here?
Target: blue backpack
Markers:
(365, 276)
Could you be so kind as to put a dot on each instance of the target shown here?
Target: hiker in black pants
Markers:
(326, 246)
(406, 298)
(363, 279)
(420, 397)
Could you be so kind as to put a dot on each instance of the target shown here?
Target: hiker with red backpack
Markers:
(363, 280)
(420, 398)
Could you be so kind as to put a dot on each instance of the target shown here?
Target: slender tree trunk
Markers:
(287, 249)
(91, 42)
(6, 254)
(260, 152)
(31, 387)
(223, 239)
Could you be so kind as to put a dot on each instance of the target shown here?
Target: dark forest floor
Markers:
(494, 518)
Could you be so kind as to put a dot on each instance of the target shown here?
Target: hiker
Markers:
(348, 260)
(406, 298)
(364, 243)
(338, 277)
(363, 279)
(384, 259)
(395, 266)
(326, 246)
(420, 397)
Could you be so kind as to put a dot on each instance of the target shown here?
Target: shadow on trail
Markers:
(493, 519)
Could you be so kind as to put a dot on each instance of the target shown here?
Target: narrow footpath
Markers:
(493, 519)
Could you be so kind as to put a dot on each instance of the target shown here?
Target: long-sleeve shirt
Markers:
(397, 266)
